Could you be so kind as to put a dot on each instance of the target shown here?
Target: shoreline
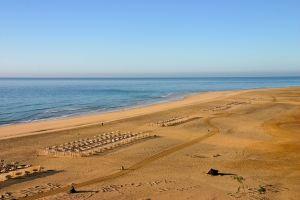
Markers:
(18, 111)
(85, 120)
(79, 121)
(88, 113)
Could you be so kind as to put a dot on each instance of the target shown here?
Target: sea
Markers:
(33, 99)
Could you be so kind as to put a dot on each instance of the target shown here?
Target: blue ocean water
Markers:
(25, 99)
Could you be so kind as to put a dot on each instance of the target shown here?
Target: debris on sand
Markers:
(262, 189)
(240, 179)
(213, 172)
(72, 190)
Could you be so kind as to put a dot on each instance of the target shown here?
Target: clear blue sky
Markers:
(94, 37)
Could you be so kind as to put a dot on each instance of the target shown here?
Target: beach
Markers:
(250, 136)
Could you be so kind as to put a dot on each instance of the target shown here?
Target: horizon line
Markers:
(143, 77)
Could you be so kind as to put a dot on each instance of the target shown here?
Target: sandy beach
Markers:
(165, 150)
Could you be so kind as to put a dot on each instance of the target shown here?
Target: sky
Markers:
(117, 37)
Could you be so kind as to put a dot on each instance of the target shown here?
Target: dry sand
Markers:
(251, 137)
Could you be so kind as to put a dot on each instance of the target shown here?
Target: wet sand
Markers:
(251, 137)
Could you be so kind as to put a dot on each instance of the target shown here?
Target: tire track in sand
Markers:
(136, 166)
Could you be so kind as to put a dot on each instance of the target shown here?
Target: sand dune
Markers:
(251, 137)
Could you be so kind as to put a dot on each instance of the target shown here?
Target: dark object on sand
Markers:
(262, 189)
(122, 168)
(213, 172)
(72, 189)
